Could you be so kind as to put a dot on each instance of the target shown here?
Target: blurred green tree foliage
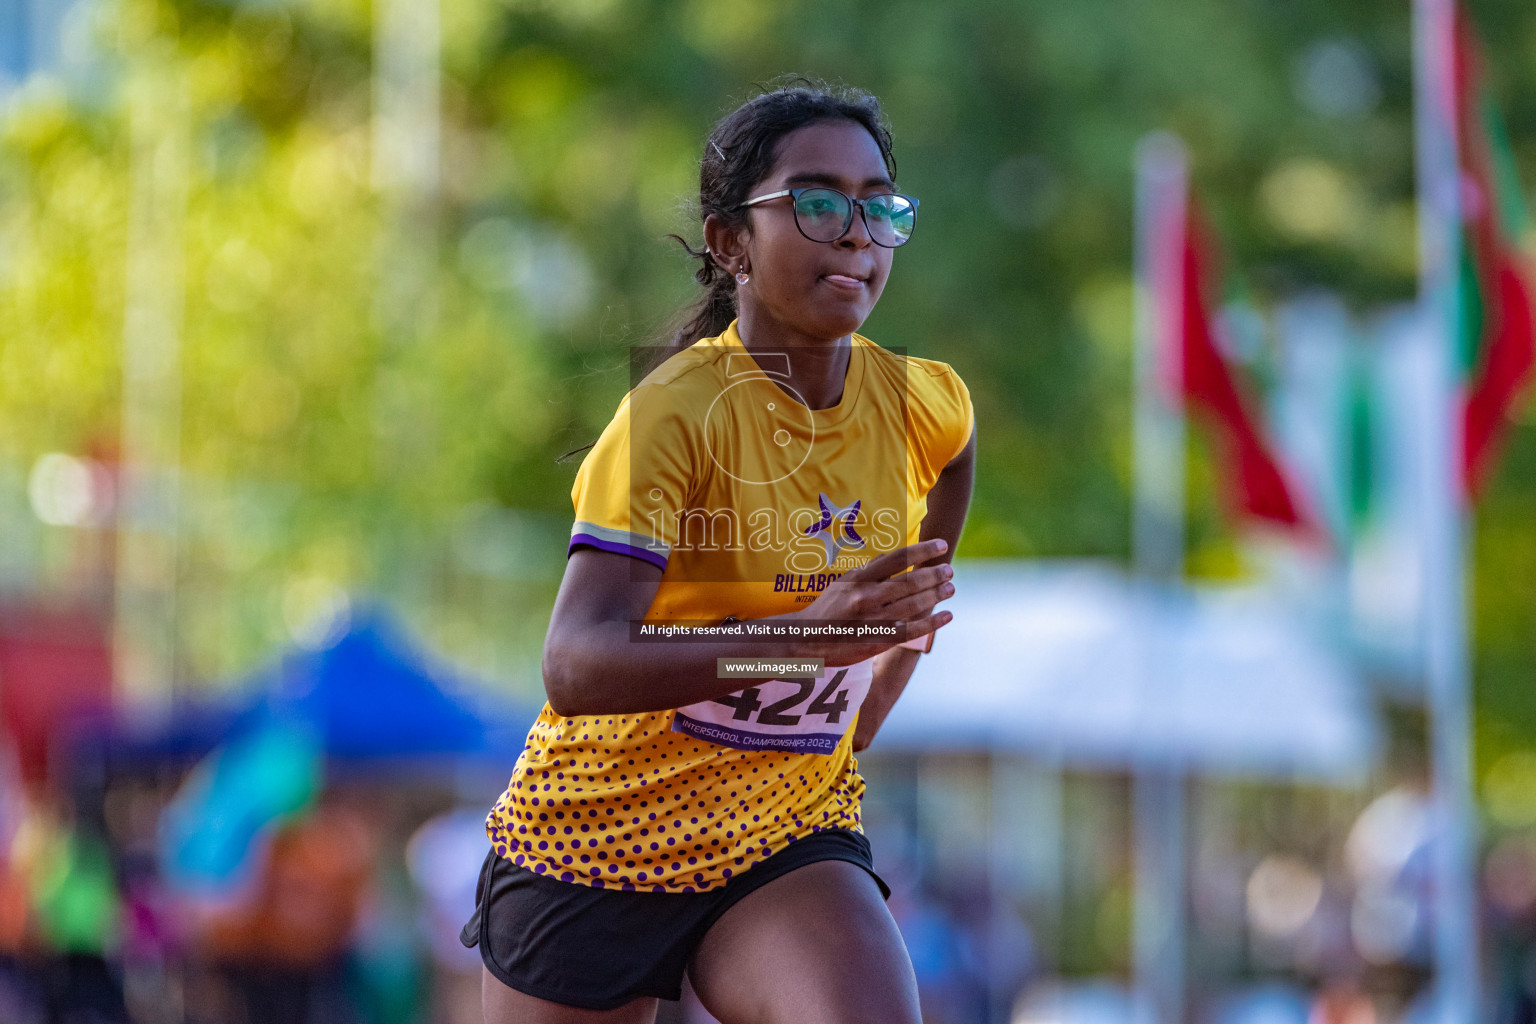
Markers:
(323, 441)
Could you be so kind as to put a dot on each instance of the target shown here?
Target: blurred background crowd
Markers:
(303, 301)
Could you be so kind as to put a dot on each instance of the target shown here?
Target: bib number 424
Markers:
(830, 703)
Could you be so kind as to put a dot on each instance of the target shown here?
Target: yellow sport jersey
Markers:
(750, 503)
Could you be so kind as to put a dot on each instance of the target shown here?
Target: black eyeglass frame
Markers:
(795, 193)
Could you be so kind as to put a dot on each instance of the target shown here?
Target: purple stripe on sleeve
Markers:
(645, 554)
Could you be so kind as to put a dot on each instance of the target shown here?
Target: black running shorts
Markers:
(601, 948)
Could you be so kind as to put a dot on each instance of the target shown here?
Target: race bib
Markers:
(801, 716)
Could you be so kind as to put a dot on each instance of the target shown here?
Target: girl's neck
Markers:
(817, 366)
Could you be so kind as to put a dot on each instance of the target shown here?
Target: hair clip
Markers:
(718, 149)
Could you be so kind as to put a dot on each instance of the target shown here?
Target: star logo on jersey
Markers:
(835, 529)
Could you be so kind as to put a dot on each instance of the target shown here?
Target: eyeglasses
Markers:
(825, 214)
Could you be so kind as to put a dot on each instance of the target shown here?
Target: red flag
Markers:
(1255, 483)
(1498, 316)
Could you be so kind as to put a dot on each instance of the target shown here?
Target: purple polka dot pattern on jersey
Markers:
(623, 802)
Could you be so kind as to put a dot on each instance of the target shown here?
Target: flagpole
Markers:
(149, 515)
(1157, 545)
(1453, 844)
(407, 177)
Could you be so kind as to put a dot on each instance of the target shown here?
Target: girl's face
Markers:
(821, 290)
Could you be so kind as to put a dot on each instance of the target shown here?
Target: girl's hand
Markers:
(880, 591)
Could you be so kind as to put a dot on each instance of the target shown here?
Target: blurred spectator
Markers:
(947, 981)
(444, 856)
(281, 946)
(1342, 1002)
(62, 915)
(388, 980)
(1509, 882)
(79, 916)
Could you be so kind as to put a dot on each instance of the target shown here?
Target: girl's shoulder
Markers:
(926, 381)
(701, 364)
(936, 406)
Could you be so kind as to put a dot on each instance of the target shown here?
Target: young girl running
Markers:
(798, 487)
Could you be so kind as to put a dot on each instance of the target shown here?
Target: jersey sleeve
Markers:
(940, 418)
(636, 479)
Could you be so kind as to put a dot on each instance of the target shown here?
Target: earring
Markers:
(741, 275)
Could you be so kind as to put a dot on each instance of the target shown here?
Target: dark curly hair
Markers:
(738, 154)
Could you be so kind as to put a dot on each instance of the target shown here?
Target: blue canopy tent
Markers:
(373, 695)
(368, 705)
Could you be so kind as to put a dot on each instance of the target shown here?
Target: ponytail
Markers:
(712, 314)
